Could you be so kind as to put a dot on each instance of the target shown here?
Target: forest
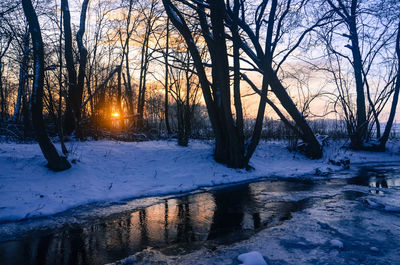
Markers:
(192, 68)
(148, 98)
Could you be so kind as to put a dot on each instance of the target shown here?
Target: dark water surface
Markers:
(180, 225)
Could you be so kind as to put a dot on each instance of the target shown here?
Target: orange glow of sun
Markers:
(115, 114)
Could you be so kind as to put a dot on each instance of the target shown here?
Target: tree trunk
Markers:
(166, 106)
(23, 70)
(266, 62)
(228, 144)
(128, 83)
(2, 96)
(389, 124)
(3, 90)
(236, 82)
(55, 161)
(314, 149)
(143, 74)
(69, 121)
(119, 91)
(60, 87)
(263, 58)
(358, 139)
(26, 110)
(227, 140)
(77, 102)
(182, 140)
(188, 112)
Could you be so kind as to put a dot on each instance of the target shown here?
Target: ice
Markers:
(252, 258)
(336, 243)
(375, 249)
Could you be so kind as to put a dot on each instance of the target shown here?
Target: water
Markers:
(378, 177)
(180, 225)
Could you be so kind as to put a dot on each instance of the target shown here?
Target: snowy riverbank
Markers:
(111, 171)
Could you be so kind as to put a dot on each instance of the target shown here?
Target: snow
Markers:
(336, 243)
(252, 258)
(375, 249)
(109, 171)
(335, 228)
(384, 204)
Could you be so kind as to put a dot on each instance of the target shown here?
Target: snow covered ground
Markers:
(112, 171)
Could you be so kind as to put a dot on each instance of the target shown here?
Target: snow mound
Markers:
(382, 205)
(252, 258)
(336, 243)
(375, 249)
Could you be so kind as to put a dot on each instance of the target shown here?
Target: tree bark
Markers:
(389, 124)
(166, 105)
(314, 149)
(55, 161)
(2, 96)
(60, 87)
(77, 102)
(143, 74)
(3, 91)
(23, 70)
(69, 121)
(358, 139)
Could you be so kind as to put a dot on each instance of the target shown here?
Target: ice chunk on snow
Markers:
(375, 249)
(391, 208)
(382, 205)
(336, 243)
(252, 258)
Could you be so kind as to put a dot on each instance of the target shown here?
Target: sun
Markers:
(115, 114)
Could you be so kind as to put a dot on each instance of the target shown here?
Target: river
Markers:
(204, 219)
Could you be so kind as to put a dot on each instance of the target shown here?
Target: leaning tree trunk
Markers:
(314, 149)
(389, 124)
(263, 58)
(55, 161)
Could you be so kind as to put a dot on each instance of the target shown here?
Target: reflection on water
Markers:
(176, 225)
(182, 224)
(378, 177)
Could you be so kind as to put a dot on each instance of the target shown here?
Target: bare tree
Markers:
(389, 124)
(369, 45)
(349, 17)
(230, 146)
(76, 81)
(166, 105)
(23, 73)
(4, 46)
(55, 161)
(268, 57)
(184, 88)
(151, 16)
